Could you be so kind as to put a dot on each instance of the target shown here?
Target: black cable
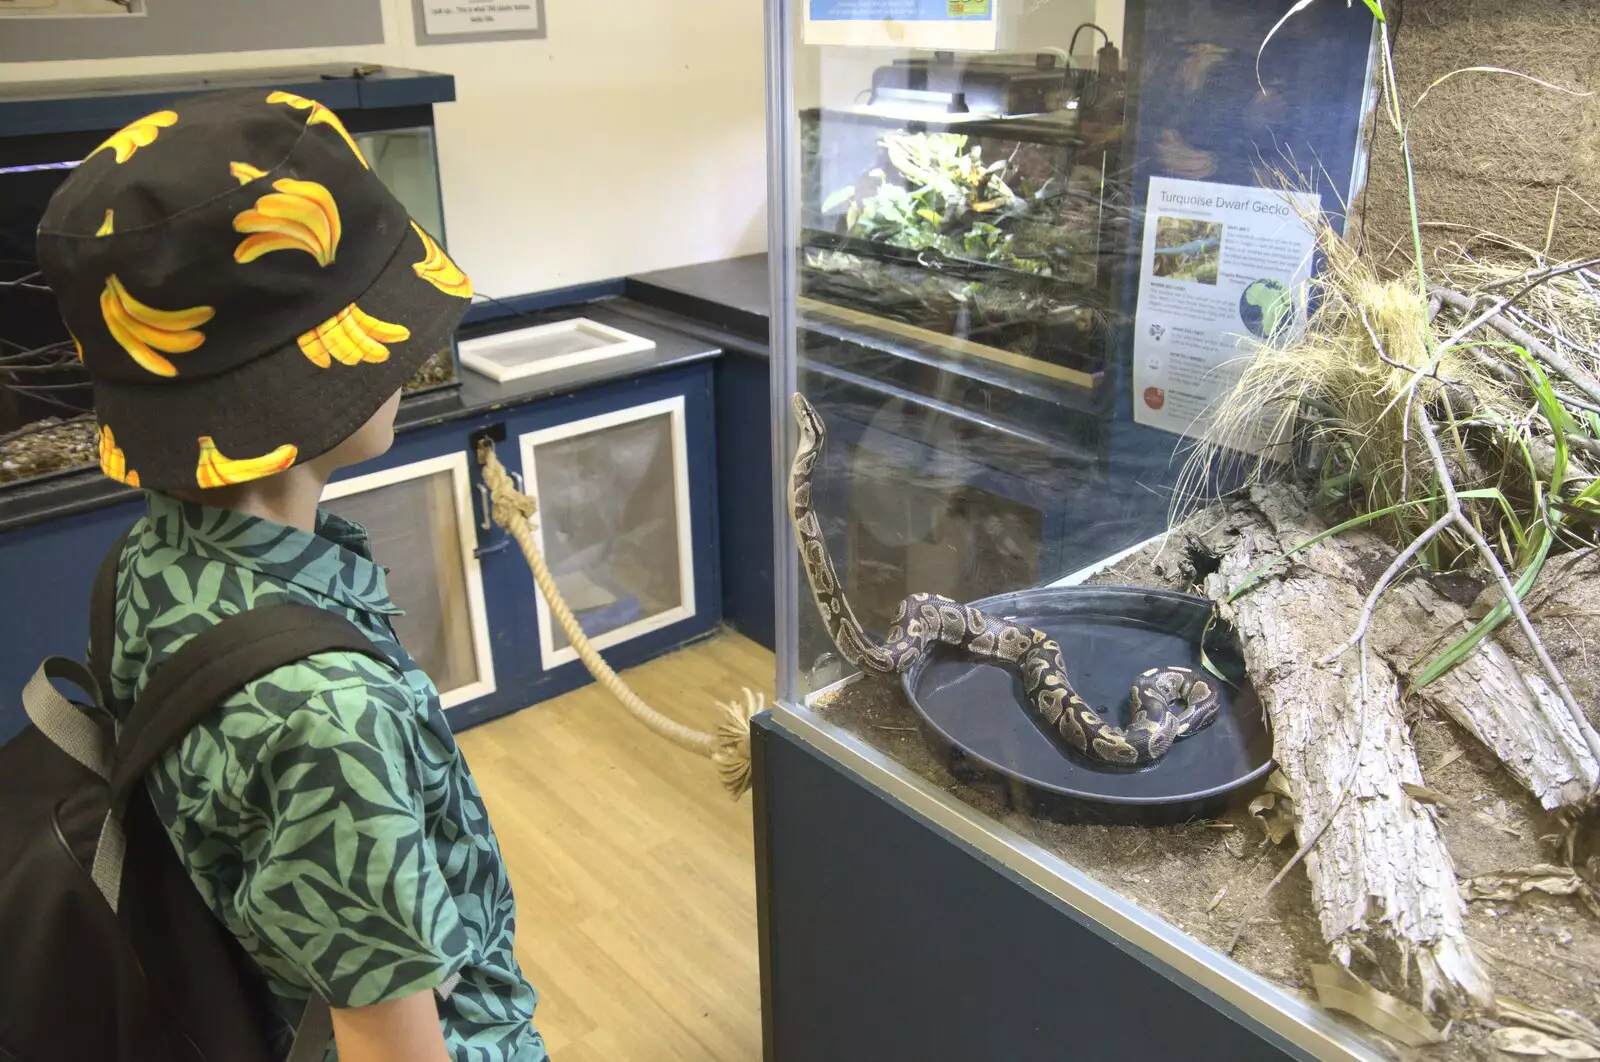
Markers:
(501, 302)
(22, 282)
(1072, 46)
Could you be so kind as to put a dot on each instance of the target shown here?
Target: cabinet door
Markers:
(419, 516)
(614, 523)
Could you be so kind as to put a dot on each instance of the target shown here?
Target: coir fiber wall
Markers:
(1492, 152)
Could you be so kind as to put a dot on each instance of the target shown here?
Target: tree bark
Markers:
(1504, 703)
(1382, 881)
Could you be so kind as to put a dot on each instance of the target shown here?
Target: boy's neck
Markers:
(288, 498)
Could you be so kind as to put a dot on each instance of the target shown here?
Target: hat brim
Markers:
(255, 413)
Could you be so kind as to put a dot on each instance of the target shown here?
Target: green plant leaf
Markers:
(1205, 657)
(1376, 7)
(1300, 5)
(838, 199)
(1492, 70)
(1458, 649)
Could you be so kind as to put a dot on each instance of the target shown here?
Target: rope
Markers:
(728, 747)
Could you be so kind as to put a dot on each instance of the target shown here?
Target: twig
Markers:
(1513, 602)
(1519, 336)
(1383, 584)
(1333, 813)
(1528, 320)
(1503, 957)
(1535, 281)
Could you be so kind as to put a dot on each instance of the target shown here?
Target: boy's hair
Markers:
(243, 290)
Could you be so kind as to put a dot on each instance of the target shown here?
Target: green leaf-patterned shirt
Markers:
(324, 812)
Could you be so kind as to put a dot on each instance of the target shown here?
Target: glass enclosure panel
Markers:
(1009, 362)
(415, 529)
(407, 162)
(1017, 266)
(613, 522)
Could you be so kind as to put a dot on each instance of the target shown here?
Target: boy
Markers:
(248, 299)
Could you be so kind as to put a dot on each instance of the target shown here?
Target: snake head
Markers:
(805, 416)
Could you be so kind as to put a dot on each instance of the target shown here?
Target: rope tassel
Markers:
(728, 747)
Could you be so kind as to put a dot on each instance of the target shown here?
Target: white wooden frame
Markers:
(529, 444)
(474, 352)
(460, 481)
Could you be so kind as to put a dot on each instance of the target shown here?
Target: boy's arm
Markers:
(405, 1030)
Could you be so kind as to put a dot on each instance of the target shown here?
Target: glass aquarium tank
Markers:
(45, 399)
(1020, 255)
(963, 205)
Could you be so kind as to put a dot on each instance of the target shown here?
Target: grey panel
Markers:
(190, 27)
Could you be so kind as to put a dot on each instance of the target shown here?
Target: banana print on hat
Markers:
(244, 173)
(351, 337)
(215, 470)
(130, 138)
(112, 460)
(105, 226)
(298, 216)
(437, 269)
(143, 330)
(320, 115)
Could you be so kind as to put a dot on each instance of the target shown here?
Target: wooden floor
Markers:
(633, 871)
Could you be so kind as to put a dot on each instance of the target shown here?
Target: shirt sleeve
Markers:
(339, 884)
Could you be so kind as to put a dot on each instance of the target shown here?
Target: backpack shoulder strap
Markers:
(103, 618)
(206, 671)
(216, 664)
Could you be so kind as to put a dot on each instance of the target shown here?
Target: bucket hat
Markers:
(243, 290)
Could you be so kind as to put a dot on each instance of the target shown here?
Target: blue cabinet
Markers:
(625, 476)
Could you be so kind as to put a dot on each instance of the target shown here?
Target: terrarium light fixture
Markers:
(909, 105)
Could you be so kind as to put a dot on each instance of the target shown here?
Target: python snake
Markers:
(1168, 703)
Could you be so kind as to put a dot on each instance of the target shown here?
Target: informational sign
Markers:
(491, 19)
(1223, 269)
(938, 25)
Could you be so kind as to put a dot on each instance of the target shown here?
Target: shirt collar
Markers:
(335, 561)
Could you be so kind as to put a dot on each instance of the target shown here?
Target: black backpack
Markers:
(109, 953)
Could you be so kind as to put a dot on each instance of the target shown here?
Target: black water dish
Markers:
(977, 718)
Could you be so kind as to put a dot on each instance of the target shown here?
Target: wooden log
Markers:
(1382, 881)
(1503, 702)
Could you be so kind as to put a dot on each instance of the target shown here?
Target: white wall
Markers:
(631, 139)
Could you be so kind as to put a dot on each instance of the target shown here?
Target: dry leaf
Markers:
(1532, 1043)
(1562, 1023)
(1277, 783)
(1423, 795)
(1276, 814)
(1212, 906)
(1339, 989)
(1553, 880)
(1448, 758)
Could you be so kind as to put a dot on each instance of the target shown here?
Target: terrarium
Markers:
(965, 204)
(1106, 426)
(46, 424)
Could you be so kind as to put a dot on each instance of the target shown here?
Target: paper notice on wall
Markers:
(1224, 267)
(440, 19)
(937, 25)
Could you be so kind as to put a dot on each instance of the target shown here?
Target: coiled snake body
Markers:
(1168, 703)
